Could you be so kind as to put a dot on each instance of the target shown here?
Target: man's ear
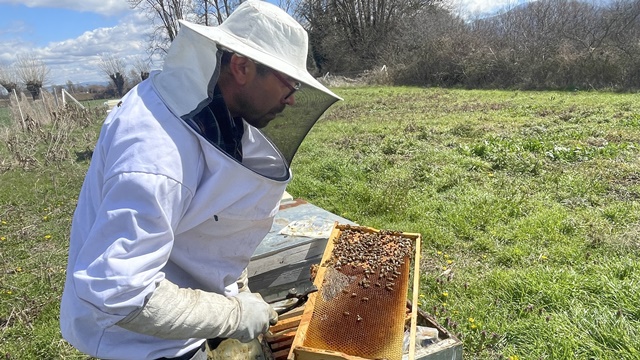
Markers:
(240, 69)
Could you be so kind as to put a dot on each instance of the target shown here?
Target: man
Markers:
(182, 187)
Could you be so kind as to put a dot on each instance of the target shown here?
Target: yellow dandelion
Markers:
(449, 262)
(446, 256)
(4, 222)
(472, 320)
(445, 293)
(45, 218)
(3, 238)
(421, 296)
(19, 269)
(437, 252)
(444, 304)
(444, 268)
(490, 174)
(542, 257)
(9, 292)
(47, 237)
(474, 326)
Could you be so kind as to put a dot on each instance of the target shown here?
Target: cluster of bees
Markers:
(380, 255)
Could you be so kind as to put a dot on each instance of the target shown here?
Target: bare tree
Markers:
(32, 71)
(115, 69)
(164, 15)
(142, 67)
(8, 78)
(350, 34)
(71, 87)
(213, 12)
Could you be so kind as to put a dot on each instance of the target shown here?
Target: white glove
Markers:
(243, 281)
(179, 313)
(255, 316)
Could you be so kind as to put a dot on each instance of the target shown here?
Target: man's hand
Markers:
(255, 316)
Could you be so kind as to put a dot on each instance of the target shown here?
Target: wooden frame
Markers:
(299, 352)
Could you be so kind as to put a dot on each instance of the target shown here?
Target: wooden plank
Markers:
(285, 344)
(297, 312)
(414, 308)
(287, 255)
(282, 334)
(305, 353)
(285, 324)
(281, 354)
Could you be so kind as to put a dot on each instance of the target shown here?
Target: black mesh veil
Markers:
(291, 126)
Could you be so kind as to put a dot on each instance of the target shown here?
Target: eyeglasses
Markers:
(293, 88)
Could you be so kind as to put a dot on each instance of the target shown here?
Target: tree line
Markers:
(545, 44)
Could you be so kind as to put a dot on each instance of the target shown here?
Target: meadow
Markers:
(527, 202)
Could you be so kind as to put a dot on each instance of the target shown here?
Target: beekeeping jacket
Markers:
(160, 203)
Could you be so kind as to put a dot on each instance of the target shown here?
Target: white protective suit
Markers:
(162, 205)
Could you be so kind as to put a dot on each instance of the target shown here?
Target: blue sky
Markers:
(70, 35)
(42, 25)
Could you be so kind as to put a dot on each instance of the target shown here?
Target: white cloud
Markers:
(77, 59)
(103, 7)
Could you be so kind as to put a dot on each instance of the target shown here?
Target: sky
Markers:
(69, 36)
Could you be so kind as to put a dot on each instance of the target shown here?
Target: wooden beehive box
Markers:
(277, 343)
(359, 311)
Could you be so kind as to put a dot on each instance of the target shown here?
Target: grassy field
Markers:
(528, 204)
(5, 117)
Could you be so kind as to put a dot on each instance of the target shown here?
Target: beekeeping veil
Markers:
(262, 32)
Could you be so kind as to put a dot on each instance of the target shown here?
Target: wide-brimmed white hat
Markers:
(267, 34)
(262, 32)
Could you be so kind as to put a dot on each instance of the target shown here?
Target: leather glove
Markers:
(255, 316)
(181, 313)
(243, 281)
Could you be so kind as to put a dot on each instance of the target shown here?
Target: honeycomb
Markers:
(361, 304)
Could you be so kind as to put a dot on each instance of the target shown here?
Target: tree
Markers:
(350, 34)
(8, 78)
(115, 69)
(164, 15)
(33, 73)
(71, 87)
(141, 67)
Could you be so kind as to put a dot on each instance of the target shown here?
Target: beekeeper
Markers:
(184, 183)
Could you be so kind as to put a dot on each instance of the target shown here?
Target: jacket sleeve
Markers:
(119, 264)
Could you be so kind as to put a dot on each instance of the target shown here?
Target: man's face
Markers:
(266, 97)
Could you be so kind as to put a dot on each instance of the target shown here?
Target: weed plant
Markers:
(42, 167)
(527, 202)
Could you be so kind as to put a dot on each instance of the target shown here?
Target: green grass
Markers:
(530, 199)
(527, 202)
(5, 116)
